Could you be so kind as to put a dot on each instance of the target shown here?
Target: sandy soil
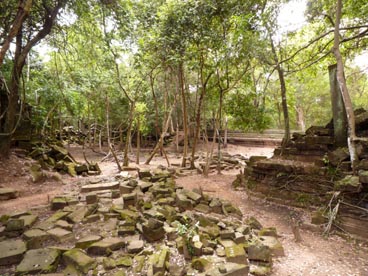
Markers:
(314, 256)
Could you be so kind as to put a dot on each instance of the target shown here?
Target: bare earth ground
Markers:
(314, 256)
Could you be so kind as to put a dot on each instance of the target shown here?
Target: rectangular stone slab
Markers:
(101, 186)
(43, 260)
(159, 260)
(76, 257)
(11, 251)
(8, 193)
(35, 238)
(104, 246)
(60, 234)
(236, 254)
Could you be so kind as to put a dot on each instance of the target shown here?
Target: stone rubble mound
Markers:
(54, 156)
(137, 226)
(312, 171)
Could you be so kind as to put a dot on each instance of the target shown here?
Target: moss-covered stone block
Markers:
(79, 259)
(236, 254)
(11, 251)
(43, 260)
(201, 264)
(349, 183)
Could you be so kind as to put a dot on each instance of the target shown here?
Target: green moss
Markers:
(125, 261)
(269, 231)
(201, 264)
(71, 169)
(140, 260)
(306, 200)
(4, 219)
(251, 184)
(109, 263)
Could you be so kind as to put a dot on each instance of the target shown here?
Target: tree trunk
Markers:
(300, 117)
(128, 136)
(115, 158)
(158, 144)
(185, 114)
(10, 105)
(24, 8)
(12, 100)
(219, 129)
(225, 134)
(47, 118)
(285, 111)
(172, 130)
(157, 129)
(107, 103)
(209, 153)
(198, 113)
(177, 137)
(339, 117)
(89, 136)
(344, 89)
(60, 122)
(138, 140)
(100, 140)
(94, 134)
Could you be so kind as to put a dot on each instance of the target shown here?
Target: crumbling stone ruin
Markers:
(136, 226)
(313, 171)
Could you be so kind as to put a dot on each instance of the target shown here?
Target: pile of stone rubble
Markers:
(313, 171)
(136, 226)
(54, 156)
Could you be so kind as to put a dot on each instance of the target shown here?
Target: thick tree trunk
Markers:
(11, 106)
(344, 89)
(12, 99)
(338, 109)
(24, 8)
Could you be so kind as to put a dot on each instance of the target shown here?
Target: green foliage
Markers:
(333, 172)
(245, 114)
(188, 231)
(109, 53)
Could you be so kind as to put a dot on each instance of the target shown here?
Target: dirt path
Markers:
(314, 256)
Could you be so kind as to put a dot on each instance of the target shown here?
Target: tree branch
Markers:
(22, 14)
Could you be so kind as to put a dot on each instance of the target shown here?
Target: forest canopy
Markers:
(120, 67)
